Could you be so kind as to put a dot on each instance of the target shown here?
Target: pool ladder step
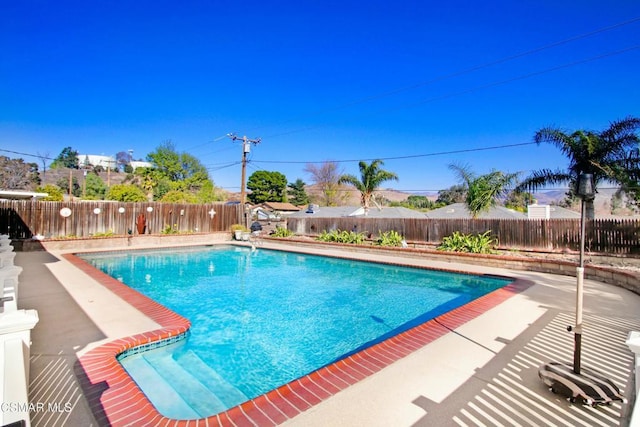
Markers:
(185, 388)
(163, 395)
(224, 391)
(203, 401)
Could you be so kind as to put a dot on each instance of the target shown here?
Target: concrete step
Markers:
(224, 391)
(163, 395)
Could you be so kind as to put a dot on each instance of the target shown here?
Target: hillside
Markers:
(52, 176)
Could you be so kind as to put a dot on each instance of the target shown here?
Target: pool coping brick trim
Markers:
(116, 400)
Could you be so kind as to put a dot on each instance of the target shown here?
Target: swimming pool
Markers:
(261, 319)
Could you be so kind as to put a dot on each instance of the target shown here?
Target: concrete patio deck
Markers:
(483, 372)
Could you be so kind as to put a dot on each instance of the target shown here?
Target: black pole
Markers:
(577, 339)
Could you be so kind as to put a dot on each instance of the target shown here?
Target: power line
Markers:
(207, 143)
(412, 156)
(226, 165)
(27, 154)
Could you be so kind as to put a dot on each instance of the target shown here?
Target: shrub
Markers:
(338, 236)
(176, 196)
(170, 230)
(54, 193)
(125, 193)
(478, 244)
(390, 238)
(282, 232)
(107, 233)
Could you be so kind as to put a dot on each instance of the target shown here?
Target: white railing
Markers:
(15, 341)
(6, 258)
(633, 342)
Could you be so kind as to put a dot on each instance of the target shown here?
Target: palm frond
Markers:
(463, 172)
(351, 179)
(542, 178)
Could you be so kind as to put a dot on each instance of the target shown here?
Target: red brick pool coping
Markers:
(116, 400)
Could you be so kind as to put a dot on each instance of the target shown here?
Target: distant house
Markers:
(460, 211)
(107, 162)
(274, 211)
(96, 160)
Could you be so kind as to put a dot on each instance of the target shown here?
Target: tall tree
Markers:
(454, 194)
(68, 158)
(297, 194)
(123, 159)
(15, 174)
(173, 171)
(483, 191)
(63, 184)
(94, 187)
(371, 177)
(267, 186)
(601, 154)
(178, 166)
(326, 176)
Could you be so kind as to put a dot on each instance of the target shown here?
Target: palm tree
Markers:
(371, 178)
(600, 154)
(483, 191)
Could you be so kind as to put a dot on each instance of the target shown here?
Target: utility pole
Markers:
(246, 148)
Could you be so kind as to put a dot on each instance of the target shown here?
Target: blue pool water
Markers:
(263, 318)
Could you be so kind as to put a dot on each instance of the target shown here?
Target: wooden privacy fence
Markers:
(22, 219)
(616, 236)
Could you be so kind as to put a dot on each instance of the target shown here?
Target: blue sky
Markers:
(418, 84)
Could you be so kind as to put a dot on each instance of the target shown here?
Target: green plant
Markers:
(282, 232)
(338, 236)
(390, 238)
(170, 230)
(478, 244)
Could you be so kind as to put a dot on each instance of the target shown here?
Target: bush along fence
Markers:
(614, 236)
(22, 219)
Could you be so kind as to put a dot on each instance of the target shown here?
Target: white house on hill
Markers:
(97, 160)
(107, 162)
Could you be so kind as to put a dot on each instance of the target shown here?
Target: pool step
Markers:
(163, 396)
(191, 389)
(224, 391)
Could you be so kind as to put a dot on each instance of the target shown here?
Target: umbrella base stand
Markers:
(588, 387)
